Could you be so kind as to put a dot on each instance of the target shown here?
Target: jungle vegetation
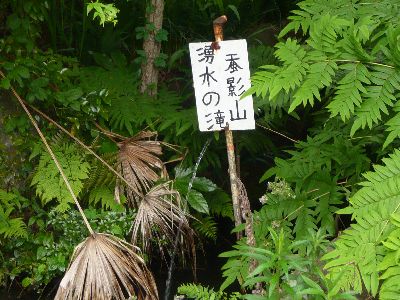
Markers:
(113, 202)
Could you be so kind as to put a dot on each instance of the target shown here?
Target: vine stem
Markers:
(34, 123)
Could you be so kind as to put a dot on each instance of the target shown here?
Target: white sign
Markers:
(220, 77)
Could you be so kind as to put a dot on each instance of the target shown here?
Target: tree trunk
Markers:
(152, 49)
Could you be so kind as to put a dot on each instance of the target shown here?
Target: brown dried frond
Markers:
(160, 217)
(106, 267)
(139, 164)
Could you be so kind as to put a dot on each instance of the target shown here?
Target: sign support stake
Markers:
(230, 148)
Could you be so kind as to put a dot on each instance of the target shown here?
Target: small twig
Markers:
(361, 137)
(174, 147)
(293, 212)
(109, 133)
(359, 61)
(277, 132)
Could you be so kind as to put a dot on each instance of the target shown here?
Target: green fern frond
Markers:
(207, 227)
(220, 204)
(352, 47)
(357, 252)
(349, 90)
(11, 226)
(385, 12)
(390, 288)
(324, 33)
(195, 291)
(287, 78)
(381, 192)
(393, 125)
(199, 292)
(100, 175)
(319, 75)
(104, 196)
(47, 178)
(271, 80)
(377, 98)
(123, 113)
(391, 49)
(372, 207)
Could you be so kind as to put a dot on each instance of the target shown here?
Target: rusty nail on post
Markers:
(219, 36)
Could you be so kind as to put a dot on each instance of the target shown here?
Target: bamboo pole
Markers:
(230, 148)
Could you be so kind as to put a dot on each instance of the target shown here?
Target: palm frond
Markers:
(139, 164)
(160, 217)
(105, 267)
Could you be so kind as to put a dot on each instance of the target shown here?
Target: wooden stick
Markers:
(230, 148)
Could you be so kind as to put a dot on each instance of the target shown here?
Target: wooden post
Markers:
(219, 36)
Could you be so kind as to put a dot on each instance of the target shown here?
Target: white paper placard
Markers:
(220, 78)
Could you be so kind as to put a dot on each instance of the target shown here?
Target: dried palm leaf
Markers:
(139, 164)
(105, 267)
(160, 217)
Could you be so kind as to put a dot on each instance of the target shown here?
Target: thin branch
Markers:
(277, 132)
(359, 61)
(109, 133)
(360, 137)
(293, 212)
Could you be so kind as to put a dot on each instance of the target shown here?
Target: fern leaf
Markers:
(104, 196)
(11, 227)
(393, 125)
(320, 74)
(123, 113)
(199, 292)
(305, 220)
(272, 79)
(323, 33)
(353, 48)
(391, 49)
(100, 175)
(48, 181)
(381, 192)
(391, 264)
(327, 196)
(206, 227)
(359, 248)
(220, 204)
(357, 254)
(349, 90)
(377, 98)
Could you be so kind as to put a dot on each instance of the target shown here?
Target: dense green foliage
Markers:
(342, 66)
(332, 82)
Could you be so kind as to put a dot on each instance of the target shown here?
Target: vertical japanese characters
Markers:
(220, 78)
